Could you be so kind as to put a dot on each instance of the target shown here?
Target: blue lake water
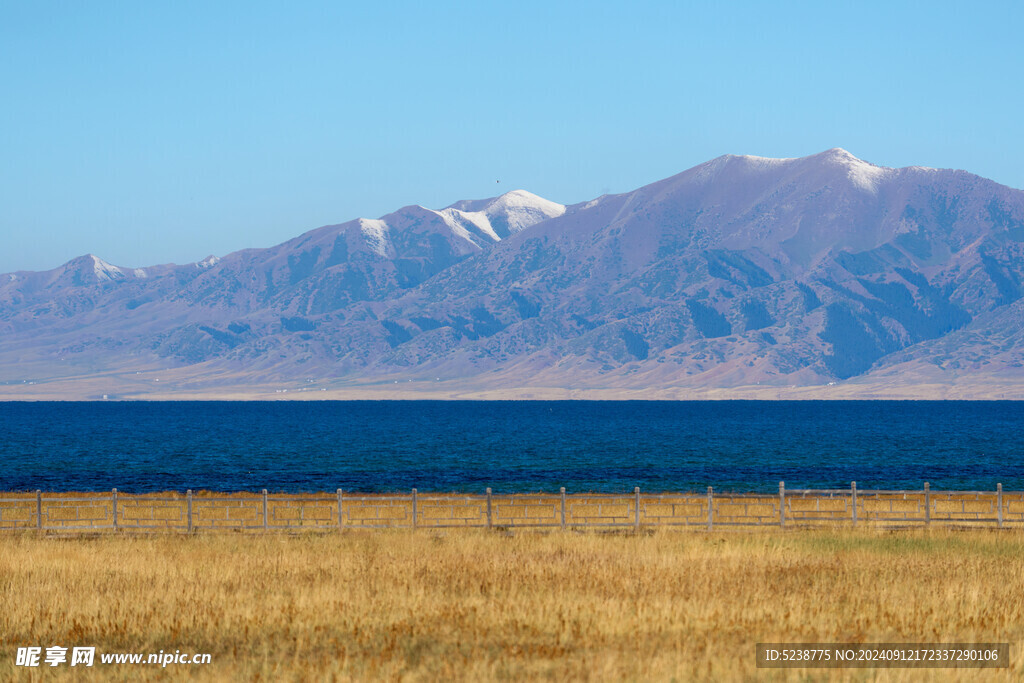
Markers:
(512, 446)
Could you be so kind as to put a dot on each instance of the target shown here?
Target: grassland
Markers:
(477, 605)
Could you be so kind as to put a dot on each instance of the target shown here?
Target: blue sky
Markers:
(159, 132)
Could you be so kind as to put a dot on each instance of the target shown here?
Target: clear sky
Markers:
(155, 132)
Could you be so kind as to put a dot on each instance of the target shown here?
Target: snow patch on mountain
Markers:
(451, 219)
(729, 164)
(864, 175)
(834, 163)
(523, 209)
(509, 213)
(375, 233)
(867, 176)
(104, 271)
(454, 219)
(763, 162)
(482, 222)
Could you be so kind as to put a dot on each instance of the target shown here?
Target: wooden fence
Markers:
(262, 512)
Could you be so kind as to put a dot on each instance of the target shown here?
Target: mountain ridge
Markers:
(742, 272)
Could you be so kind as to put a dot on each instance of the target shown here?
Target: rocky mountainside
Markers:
(743, 274)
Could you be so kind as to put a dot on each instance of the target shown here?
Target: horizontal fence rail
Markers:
(341, 510)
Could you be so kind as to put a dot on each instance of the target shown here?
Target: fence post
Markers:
(264, 509)
(341, 522)
(853, 492)
(490, 521)
(710, 503)
(927, 505)
(562, 491)
(188, 499)
(414, 508)
(113, 497)
(39, 509)
(782, 504)
(999, 504)
(636, 522)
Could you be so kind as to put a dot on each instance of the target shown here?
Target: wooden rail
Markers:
(263, 511)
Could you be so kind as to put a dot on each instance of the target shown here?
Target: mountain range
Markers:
(744, 277)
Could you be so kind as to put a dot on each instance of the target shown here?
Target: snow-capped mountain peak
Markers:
(104, 271)
(474, 224)
(521, 209)
(861, 173)
(838, 154)
(523, 199)
(832, 164)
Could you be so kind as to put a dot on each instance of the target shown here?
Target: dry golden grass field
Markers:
(491, 605)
